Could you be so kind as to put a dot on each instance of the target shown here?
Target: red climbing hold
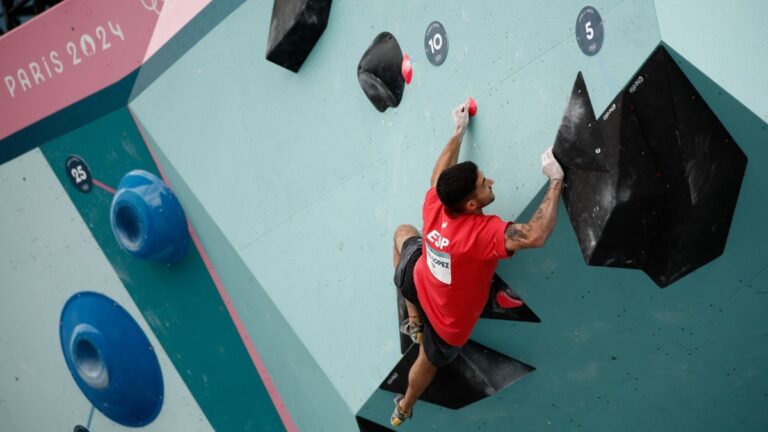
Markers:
(407, 69)
(505, 300)
(472, 107)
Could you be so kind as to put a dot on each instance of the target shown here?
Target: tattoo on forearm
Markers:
(541, 222)
(539, 215)
(513, 233)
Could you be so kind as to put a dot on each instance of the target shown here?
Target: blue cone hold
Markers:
(147, 219)
(111, 359)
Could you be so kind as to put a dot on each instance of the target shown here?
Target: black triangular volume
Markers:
(579, 143)
(477, 373)
(494, 310)
(295, 28)
(614, 213)
(674, 174)
(584, 198)
(634, 190)
(366, 425)
(700, 164)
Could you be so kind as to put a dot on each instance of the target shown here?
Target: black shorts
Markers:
(439, 352)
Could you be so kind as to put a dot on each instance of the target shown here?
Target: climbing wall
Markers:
(52, 260)
(181, 300)
(293, 183)
(315, 230)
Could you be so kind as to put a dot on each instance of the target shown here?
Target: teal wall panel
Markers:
(295, 184)
(725, 41)
(307, 180)
(312, 398)
(49, 255)
(180, 301)
(613, 351)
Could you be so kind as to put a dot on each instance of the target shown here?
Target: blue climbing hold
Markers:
(147, 219)
(111, 359)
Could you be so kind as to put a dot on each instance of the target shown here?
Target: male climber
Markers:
(446, 279)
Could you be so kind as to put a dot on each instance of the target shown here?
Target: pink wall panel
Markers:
(78, 48)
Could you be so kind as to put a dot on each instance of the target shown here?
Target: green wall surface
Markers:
(48, 256)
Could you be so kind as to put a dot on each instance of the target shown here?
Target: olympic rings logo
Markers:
(156, 6)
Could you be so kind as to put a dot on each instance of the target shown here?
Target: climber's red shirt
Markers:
(453, 275)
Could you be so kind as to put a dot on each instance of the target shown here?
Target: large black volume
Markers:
(478, 372)
(613, 195)
(294, 30)
(655, 184)
(699, 163)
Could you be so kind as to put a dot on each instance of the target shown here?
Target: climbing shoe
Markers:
(415, 331)
(398, 417)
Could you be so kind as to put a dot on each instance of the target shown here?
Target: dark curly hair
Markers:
(456, 185)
